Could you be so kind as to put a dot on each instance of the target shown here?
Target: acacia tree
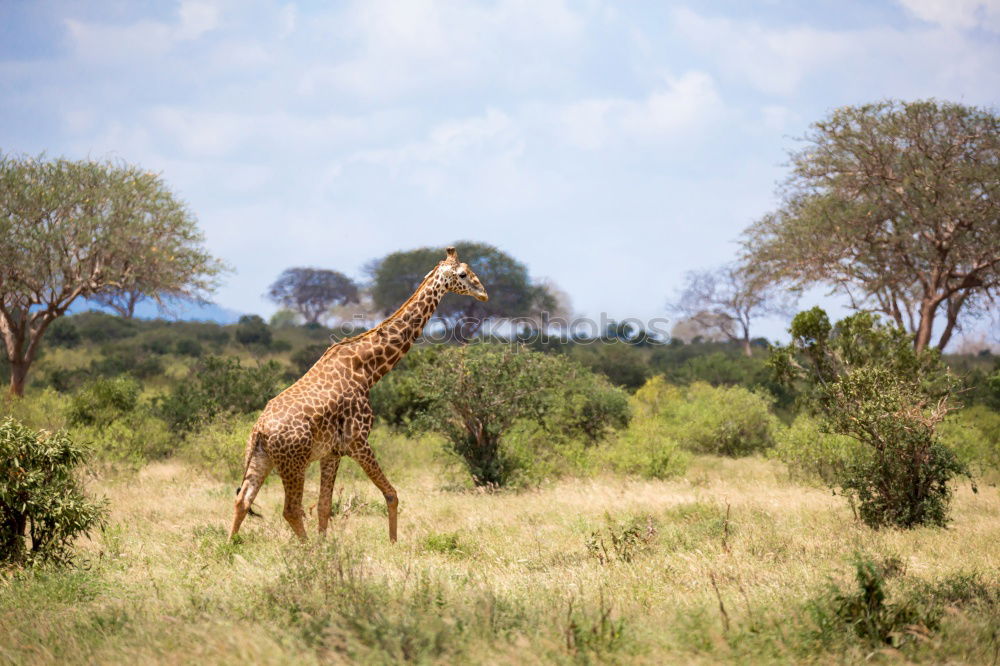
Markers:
(72, 229)
(896, 204)
(312, 291)
(512, 293)
(726, 300)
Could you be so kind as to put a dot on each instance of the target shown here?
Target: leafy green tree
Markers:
(512, 293)
(312, 291)
(42, 505)
(476, 393)
(897, 205)
(865, 380)
(253, 331)
(72, 230)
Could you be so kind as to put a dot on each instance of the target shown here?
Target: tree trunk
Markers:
(747, 351)
(926, 327)
(954, 307)
(18, 375)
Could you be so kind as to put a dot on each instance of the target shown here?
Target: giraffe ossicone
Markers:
(326, 414)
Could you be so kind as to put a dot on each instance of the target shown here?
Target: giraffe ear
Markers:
(452, 254)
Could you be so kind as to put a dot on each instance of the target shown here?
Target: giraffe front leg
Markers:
(327, 476)
(366, 458)
(293, 479)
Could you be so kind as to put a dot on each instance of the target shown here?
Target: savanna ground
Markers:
(732, 562)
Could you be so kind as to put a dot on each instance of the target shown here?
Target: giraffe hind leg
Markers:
(293, 480)
(258, 469)
(366, 458)
(327, 477)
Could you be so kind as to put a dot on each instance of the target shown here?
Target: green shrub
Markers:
(915, 609)
(974, 435)
(812, 454)
(534, 455)
(306, 357)
(189, 347)
(217, 385)
(157, 344)
(42, 506)
(132, 440)
(587, 406)
(865, 612)
(645, 449)
(864, 379)
(724, 420)
(218, 447)
(399, 399)
(41, 410)
(100, 327)
(252, 331)
(63, 333)
(126, 358)
(103, 401)
(621, 541)
(477, 393)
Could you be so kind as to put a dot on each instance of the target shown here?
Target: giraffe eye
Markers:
(462, 275)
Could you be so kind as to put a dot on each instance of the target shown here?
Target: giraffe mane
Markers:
(357, 338)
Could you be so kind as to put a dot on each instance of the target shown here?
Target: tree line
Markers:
(892, 204)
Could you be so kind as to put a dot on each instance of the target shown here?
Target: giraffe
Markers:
(326, 414)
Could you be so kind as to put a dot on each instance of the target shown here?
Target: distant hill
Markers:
(182, 311)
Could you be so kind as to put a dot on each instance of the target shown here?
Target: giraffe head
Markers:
(459, 278)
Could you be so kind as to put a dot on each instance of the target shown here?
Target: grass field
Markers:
(732, 563)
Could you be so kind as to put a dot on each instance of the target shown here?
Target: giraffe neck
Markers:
(387, 343)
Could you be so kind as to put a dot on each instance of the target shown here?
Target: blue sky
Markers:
(610, 146)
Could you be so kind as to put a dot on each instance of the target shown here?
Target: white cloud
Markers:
(451, 142)
(774, 60)
(399, 46)
(960, 14)
(681, 106)
(862, 64)
(196, 18)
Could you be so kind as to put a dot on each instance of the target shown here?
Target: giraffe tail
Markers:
(250, 511)
(252, 444)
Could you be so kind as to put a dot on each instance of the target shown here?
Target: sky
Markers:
(610, 146)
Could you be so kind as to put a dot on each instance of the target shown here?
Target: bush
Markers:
(218, 385)
(399, 399)
(218, 447)
(41, 410)
(63, 333)
(100, 327)
(42, 506)
(189, 347)
(866, 612)
(974, 435)
(725, 420)
(132, 440)
(103, 401)
(645, 449)
(252, 331)
(126, 359)
(159, 345)
(812, 454)
(477, 393)
(865, 381)
(306, 357)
